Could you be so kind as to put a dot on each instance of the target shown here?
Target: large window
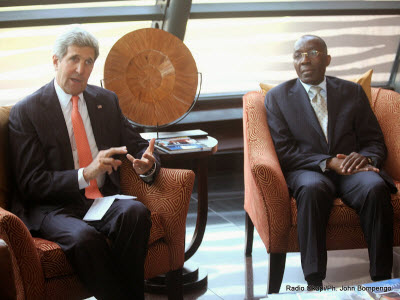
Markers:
(26, 56)
(26, 53)
(234, 55)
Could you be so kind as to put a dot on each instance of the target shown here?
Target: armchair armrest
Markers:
(29, 278)
(169, 196)
(7, 286)
(267, 198)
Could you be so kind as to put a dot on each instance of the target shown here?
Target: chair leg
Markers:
(175, 285)
(249, 235)
(277, 263)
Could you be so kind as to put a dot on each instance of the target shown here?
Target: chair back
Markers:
(386, 106)
(4, 159)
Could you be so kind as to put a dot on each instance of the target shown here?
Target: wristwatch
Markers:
(149, 172)
(370, 161)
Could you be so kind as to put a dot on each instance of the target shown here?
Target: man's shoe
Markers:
(380, 278)
(314, 285)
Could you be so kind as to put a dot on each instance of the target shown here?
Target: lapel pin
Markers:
(99, 106)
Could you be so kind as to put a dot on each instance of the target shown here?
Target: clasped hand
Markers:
(104, 162)
(350, 164)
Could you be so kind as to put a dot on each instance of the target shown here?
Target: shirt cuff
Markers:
(322, 165)
(149, 175)
(81, 180)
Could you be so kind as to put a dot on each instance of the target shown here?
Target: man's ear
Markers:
(55, 62)
(327, 60)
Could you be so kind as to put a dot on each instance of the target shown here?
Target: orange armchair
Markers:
(268, 204)
(40, 268)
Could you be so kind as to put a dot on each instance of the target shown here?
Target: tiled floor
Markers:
(221, 254)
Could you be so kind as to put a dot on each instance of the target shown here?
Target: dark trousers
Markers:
(111, 269)
(366, 192)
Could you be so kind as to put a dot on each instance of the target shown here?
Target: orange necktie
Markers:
(82, 145)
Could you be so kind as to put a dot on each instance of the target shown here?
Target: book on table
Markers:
(180, 145)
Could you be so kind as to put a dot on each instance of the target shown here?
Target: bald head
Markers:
(309, 37)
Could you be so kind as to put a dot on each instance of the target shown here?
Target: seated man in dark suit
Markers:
(66, 139)
(330, 145)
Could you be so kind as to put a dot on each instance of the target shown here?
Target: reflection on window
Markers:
(26, 56)
(234, 55)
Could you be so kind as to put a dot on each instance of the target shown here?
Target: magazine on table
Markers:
(386, 289)
(180, 144)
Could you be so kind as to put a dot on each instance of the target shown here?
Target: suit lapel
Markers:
(333, 107)
(96, 110)
(53, 115)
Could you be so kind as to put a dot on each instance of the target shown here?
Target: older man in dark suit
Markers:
(329, 145)
(66, 140)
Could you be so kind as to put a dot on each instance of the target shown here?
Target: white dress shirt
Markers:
(66, 107)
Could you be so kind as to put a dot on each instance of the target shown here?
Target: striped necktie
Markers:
(320, 108)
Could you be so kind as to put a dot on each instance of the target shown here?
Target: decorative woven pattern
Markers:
(267, 200)
(266, 193)
(169, 196)
(154, 75)
(387, 111)
(52, 258)
(29, 279)
(157, 260)
(157, 230)
(65, 288)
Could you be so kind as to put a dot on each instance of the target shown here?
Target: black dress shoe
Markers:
(380, 278)
(314, 285)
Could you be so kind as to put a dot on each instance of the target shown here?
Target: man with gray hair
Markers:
(66, 140)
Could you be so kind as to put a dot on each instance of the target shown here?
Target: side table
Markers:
(193, 279)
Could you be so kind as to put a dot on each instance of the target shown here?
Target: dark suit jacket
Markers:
(42, 161)
(298, 137)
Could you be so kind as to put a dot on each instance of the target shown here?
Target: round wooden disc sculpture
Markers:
(154, 75)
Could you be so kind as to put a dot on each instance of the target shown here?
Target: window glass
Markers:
(79, 5)
(234, 55)
(26, 55)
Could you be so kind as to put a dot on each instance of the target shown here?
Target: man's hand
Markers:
(355, 161)
(143, 165)
(354, 164)
(104, 162)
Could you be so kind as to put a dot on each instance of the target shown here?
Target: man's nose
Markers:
(80, 67)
